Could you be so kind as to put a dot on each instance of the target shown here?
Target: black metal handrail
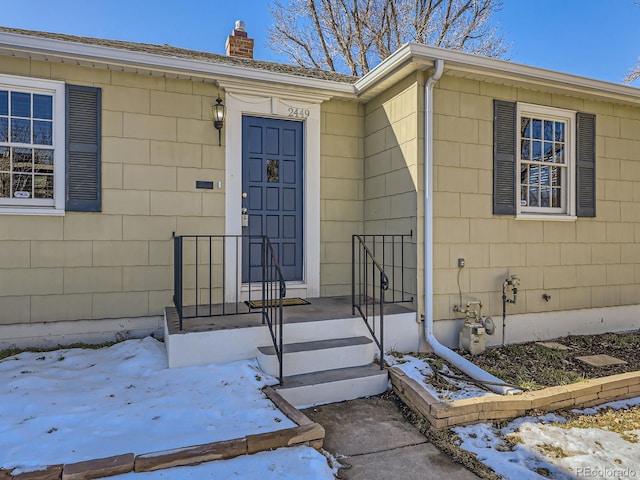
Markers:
(372, 257)
(390, 250)
(367, 281)
(204, 256)
(274, 290)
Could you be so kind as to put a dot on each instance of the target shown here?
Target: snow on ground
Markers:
(77, 404)
(421, 371)
(532, 447)
(538, 449)
(283, 464)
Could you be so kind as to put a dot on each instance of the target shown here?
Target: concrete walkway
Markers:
(380, 444)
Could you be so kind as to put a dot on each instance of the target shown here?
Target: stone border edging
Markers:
(481, 409)
(305, 433)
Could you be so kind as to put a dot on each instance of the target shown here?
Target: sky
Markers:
(592, 38)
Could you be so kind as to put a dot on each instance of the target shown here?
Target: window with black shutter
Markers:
(544, 161)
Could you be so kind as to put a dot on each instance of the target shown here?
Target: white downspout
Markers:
(443, 352)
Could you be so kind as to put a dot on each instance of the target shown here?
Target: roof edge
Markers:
(98, 54)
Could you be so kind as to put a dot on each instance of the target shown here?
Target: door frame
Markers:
(308, 112)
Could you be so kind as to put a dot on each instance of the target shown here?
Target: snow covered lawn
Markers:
(539, 447)
(292, 463)
(77, 404)
(536, 447)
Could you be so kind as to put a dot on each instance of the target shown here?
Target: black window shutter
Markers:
(585, 165)
(504, 157)
(83, 136)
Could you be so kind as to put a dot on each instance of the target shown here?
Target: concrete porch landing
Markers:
(328, 352)
(322, 308)
(228, 338)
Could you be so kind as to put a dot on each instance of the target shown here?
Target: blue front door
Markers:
(272, 179)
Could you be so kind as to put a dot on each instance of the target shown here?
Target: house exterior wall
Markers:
(393, 169)
(157, 140)
(585, 263)
(341, 192)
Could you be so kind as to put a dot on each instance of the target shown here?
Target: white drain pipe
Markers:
(440, 350)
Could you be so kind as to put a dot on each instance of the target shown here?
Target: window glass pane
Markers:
(548, 130)
(42, 132)
(536, 150)
(556, 176)
(525, 149)
(545, 176)
(548, 151)
(20, 104)
(22, 186)
(43, 186)
(4, 129)
(533, 197)
(559, 132)
(524, 174)
(534, 174)
(43, 106)
(523, 196)
(4, 102)
(5, 185)
(559, 153)
(22, 160)
(5, 159)
(43, 161)
(272, 171)
(20, 131)
(556, 198)
(525, 127)
(537, 129)
(545, 197)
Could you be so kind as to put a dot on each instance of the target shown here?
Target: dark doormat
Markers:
(286, 302)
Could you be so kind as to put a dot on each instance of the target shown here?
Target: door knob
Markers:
(244, 195)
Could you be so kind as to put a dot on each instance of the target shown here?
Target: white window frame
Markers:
(57, 90)
(568, 211)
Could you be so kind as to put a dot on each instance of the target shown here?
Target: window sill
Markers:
(546, 218)
(54, 212)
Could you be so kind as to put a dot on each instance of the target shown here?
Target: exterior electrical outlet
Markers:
(461, 263)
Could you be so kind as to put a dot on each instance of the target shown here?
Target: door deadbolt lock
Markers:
(244, 195)
(245, 217)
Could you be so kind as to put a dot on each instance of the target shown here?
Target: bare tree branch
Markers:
(355, 35)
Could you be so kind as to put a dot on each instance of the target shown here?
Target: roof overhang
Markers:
(97, 56)
(412, 57)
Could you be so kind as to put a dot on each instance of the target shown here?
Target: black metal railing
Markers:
(392, 252)
(205, 266)
(378, 277)
(274, 290)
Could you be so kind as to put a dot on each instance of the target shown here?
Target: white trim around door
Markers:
(237, 105)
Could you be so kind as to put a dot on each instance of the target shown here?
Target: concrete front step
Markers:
(332, 386)
(313, 356)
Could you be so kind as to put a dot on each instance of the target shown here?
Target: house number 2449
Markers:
(298, 112)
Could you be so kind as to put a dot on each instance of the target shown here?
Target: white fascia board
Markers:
(109, 56)
(419, 57)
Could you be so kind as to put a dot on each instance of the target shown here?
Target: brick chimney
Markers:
(238, 44)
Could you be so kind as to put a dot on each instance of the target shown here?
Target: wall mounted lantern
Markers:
(218, 117)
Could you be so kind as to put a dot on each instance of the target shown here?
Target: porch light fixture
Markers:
(218, 117)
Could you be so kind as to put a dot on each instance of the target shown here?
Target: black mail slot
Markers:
(204, 184)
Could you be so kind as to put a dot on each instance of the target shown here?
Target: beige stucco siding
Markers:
(586, 263)
(393, 170)
(341, 192)
(157, 140)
